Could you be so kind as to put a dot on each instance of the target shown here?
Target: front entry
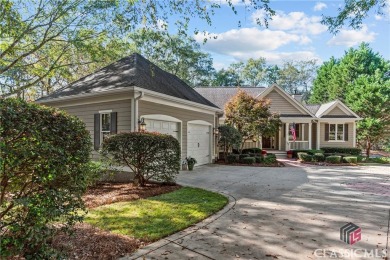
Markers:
(266, 142)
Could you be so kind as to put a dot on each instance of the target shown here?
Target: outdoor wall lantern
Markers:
(215, 131)
(141, 125)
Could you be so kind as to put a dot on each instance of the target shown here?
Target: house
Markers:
(131, 91)
(324, 125)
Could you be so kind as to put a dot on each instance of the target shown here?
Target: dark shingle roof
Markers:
(221, 95)
(131, 71)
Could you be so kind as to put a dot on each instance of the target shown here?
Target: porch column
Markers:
(318, 135)
(309, 134)
(286, 136)
(354, 134)
(280, 138)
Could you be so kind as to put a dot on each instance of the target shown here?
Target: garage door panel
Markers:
(198, 143)
(164, 127)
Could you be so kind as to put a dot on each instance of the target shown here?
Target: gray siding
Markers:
(348, 143)
(149, 108)
(280, 105)
(86, 114)
(337, 112)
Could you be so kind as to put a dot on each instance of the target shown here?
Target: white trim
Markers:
(289, 98)
(133, 120)
(105, 111)
(342, 106)
(161, 117)
(177, 102)
(286, 136)
(354, 134)
(310, 133)
(280, 138)
(318, 124)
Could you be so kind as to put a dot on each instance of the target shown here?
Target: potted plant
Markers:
(184, 165)
(190, 162)
(289, 154)
(263, 153)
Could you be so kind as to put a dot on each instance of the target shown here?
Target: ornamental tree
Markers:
(251, 116)
(44, 171)
(149, 155)
(229, 137)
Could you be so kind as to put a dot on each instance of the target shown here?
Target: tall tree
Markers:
(176, 54)
(320, 90)
(369, 96)
(30, 26)
(251, 116)
(226, 78)
(272, 74)
(254, 71)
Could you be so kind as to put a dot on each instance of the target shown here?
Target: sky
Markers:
(295, 33)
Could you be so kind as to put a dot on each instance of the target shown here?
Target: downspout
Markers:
(134, 126)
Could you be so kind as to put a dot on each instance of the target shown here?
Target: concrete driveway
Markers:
(284, 213)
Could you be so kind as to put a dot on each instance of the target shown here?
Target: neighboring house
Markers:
(327, 125)
(119, 97)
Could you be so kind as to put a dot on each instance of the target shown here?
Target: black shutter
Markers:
(96, 132)
(345, 132)
(297, 130)
(114, 125)
(326, 132)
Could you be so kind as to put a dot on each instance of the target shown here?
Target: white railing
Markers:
(298, 145)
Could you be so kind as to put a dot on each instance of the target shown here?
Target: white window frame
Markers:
(335, 133)
(101, 124)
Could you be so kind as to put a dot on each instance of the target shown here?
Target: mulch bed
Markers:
(88, 242)
(278, 164)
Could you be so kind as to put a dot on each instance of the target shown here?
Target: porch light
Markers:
(215, 131)
(141, 125)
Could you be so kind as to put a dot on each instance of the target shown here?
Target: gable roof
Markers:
(221, 95)
(313, 108)
(324, 109)
(288, 98)
(131, 71)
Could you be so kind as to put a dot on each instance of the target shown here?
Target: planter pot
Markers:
(184, 167)
(191, 167)
(289, 155)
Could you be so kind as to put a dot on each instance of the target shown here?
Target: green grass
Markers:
(156, 217)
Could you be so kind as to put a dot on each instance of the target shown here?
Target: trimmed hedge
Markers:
(269, 159)
(151, 156)
(333, 159)
(318, 157)
(306, 157)
(251, 151)
(242, 156)
(44, 171)
(259, 159)
(300, 155)
(342, 150)
(248, 160)
(232, 158)
(350, 159)
(311, 152)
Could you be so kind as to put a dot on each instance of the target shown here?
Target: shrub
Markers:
(318, 157)
(343, 150)
(311, 152)
(306, 157)
(251, 150)
(360, 158)
(248, 160)
(333, 159)
(350, 159)
(232, 158)
(269, 159)
(300, 154)
(242, 156)
(228, 138)
(258, 159)
(44, 171)
(149, 155)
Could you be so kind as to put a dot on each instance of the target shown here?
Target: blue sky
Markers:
(295, 33)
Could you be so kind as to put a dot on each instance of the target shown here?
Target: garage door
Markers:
(164, 127)
(198, 145)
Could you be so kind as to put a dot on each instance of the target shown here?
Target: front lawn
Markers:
(156, 217)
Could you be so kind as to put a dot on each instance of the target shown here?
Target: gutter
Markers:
(134, 107)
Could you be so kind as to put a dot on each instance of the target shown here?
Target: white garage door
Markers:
(164, 127)
(198, 145)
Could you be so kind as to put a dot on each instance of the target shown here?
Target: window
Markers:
(336, 132)
(105, 125)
